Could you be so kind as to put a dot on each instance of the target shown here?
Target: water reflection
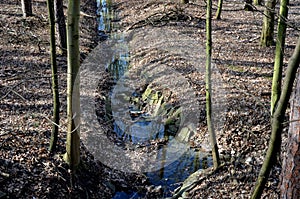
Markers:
(170, 176)
(119, 63)
(106, 26)
(106, 14)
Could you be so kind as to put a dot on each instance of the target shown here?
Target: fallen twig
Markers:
(25, 78)
(11, 90)
(3, 134)
(6, 175)
(161, 18)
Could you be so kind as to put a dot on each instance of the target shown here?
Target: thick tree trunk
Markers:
(211, 130)
(55, 93)
(72, 156)
(26, 8)
(277, 120)
(267, 34)
(61, 24)
(280, 43)
(290, 176)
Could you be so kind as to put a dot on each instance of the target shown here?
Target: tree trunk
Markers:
(218, 14)
(26, 8)
(54, 134)
(72, 156)
(278, 117)
(211, 130)
(290, 181)
(248, 5)
(257, 2)
(61, 24)
(290, 177)
(184, 1)
(280, 43)
(267, 34)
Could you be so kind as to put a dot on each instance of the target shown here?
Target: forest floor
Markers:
(27, 170)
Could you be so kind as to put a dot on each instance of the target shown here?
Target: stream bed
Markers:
(140, 126)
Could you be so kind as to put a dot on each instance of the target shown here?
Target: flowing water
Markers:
(170, 176)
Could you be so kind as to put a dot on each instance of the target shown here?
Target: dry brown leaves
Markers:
(27, 170)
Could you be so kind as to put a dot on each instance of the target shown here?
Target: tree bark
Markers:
(257, 2)
(290, 176)
(72, 155)
(277, 120)
(54, 133)
(280, 43)
(211, 130)
(26, 8)
(61, 24)
(184, 1)
(267, 34)
(248, 5)
(218, 14)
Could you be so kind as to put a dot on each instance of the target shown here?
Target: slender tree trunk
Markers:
(218, 14)
(248, 5)
(211, 130)
(290, 182)
(280, 43)
(257, 2)
(72, 156)
(61, 24)
(267, 34)
(26, 8)
(277, 120)
(55, 94)
(184, 1)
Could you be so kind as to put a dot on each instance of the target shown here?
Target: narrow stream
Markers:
(168, 178)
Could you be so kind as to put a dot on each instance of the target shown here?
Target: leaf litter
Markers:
(27, 170)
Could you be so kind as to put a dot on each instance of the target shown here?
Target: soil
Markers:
(27, 170)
